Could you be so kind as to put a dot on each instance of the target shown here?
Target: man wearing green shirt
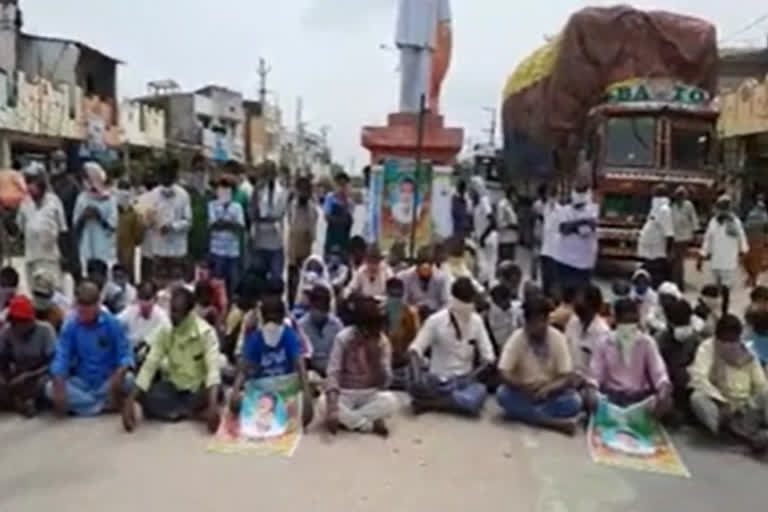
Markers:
(189, 387)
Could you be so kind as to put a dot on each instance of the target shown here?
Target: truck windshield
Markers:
(691, 145)
(630, 141)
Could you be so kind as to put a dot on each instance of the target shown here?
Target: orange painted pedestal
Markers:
(399, 139)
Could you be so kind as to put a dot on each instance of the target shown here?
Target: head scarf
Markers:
(97, 179)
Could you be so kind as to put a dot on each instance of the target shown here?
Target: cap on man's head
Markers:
(21, 309)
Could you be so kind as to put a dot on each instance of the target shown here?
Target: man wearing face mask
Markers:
(586, 329)
(730, 390)
(302, 226)
(457, 338)
(725, 243)
(642, 293)
(130, 229)
(272, 350)
(144, 317)
(359, 372)
(678, 345)
(426, 286)
(576, 253)
(539, 385)
(656, 240)
(686, 224)
(90, 369)
(189, 388)
(321, 327)
(169, 221)
(226, 220)
(44, 299)
(267, 213)
(626, 368)
(26, 348)
(43, 223)
(95, 217)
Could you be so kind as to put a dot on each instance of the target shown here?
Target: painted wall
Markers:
(142, 125)
(99, 124)
(744, 111)
(40, 108)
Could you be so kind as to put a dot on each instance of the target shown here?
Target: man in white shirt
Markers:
(586, 329)
(169, 220)
(547, 211)
(686, 224)
(41, 219)
(506, 220)
(576, 252)
(269, 204)
(484, 231)
(455, 336)
(143, 318)
(657, 236)
(370, 280)
(724, 243)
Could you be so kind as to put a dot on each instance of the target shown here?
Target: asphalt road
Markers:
(429, 463)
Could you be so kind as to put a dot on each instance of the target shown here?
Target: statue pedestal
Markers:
(399, 139)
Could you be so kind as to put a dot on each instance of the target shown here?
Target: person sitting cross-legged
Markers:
(359, 370)
(321, 326)
(190, 387)
(539, 383)
(730, 390)
(90, 368)
(627, 368)
(457, 339)
(142, 319)
(272, 349)
(26, 349)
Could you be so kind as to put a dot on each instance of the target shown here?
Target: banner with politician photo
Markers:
(405, 192)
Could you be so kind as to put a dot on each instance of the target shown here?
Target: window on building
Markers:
(630, 141)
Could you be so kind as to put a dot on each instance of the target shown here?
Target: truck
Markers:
(625, 99)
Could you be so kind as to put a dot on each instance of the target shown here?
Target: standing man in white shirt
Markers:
(576, 253)
(484, 231)
(547, 210)
(269, 204)
(686, 223)
(169, 221)
(506, 219)
(657, 237)
(725, 242)
(42, 221)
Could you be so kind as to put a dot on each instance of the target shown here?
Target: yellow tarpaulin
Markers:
(535, 67)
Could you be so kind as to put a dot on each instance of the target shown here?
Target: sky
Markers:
(335, 54)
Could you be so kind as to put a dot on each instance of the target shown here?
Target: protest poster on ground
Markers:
(632, 438)
(269, 422)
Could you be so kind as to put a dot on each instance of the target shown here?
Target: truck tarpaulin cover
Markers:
(547, 99)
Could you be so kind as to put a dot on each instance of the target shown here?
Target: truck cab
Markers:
(644, 133)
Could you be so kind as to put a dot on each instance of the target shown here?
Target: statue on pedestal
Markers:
(424, 38)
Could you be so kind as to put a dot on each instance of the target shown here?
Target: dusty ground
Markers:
(433, 463)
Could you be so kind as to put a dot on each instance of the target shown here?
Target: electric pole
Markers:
(263, 71)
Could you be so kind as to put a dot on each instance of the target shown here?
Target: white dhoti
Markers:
(358, 409)
(415, 70)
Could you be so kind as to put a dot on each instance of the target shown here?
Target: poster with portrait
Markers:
(405, 195)
(632, 438)
(269, 422)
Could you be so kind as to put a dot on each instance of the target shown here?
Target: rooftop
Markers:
(79, 44)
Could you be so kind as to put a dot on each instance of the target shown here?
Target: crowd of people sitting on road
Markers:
(357, 326)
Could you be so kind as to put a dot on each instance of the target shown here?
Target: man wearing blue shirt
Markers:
(92, 359)
(338, 215)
